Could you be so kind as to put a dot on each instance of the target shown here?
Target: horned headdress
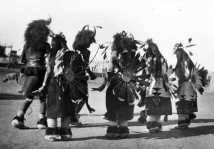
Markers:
(84, 38)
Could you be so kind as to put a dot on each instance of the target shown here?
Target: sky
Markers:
(165, 21)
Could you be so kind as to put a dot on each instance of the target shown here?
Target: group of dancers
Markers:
(58, 76)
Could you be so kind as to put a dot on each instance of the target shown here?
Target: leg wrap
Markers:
(153, 124)
(184, 122)
(65, 121)
(52, 131)
(42, 107)
(25, 105)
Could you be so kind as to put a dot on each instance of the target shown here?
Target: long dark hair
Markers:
(183, 64)
(157, 59)
(58, 42)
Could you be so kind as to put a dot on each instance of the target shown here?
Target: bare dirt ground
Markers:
(200, 135)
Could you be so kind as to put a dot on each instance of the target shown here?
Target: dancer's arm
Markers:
(46, 77)
(110, 68)
(47, 73)
(102, 86)
(111, 65)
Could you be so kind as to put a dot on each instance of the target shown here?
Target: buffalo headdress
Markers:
(37, 32)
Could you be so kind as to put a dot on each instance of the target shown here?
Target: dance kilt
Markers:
(59, 103)
(117, 110)
(187, 99)
(158, 102)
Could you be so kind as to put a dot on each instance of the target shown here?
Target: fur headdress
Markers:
(84, 38)
(60, 41)
(37, 32)
(124, 42)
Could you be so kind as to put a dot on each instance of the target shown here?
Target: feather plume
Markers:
(198, 77)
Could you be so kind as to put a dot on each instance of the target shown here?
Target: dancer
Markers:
(122, 91)
(190, 80)
(157, 98)
(58, 96)
(83, 40)
(34, 53)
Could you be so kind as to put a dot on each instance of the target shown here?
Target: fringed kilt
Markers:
(117, 110)
(158, 101)
(33, 80)
(59, 103)
(187, 99)
(78, 91)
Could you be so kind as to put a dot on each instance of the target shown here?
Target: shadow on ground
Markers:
(6, 96)
(136, 123)
(173, 133)
(173, 122)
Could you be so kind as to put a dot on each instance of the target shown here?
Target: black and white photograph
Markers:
(106, 74)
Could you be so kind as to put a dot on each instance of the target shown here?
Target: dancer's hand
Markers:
(39, 91)
(100, 88)
(141, 103)
(91, 110)
(21, 75)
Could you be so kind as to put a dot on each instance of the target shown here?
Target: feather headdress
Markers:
(198, 77)
(186, 48)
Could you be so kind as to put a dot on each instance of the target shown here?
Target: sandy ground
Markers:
(200, 135)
